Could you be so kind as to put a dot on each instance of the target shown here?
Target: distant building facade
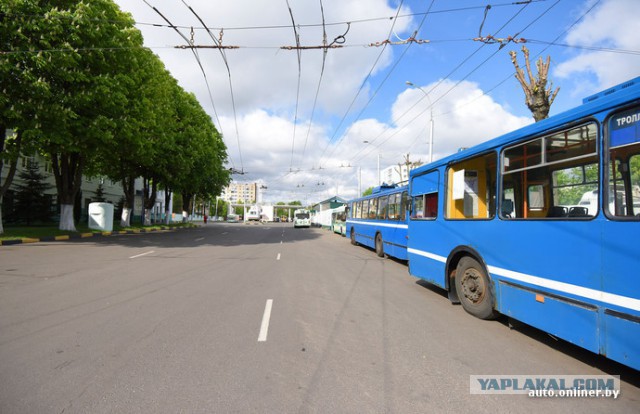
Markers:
(111, 192)
(395, 174)
(240, 192)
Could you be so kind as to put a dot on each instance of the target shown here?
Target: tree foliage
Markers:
(79, 87)
(31, 203)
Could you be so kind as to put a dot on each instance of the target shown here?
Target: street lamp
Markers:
(379, 155)
(430, 120)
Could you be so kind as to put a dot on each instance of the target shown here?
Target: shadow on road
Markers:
(600, 362)
(212, 234)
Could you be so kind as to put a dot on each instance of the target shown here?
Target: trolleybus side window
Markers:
(417, 207)
(373, 208)
(425, 206)
(555, 176)
(624, 167)
(471, 188)
(382, 207)
(404, 206)
(393, 209)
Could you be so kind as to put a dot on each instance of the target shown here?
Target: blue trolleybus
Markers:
(542, 225)
(380, 221)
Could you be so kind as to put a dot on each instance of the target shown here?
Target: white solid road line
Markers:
(264, 328)
(142, 254)
(278, 258)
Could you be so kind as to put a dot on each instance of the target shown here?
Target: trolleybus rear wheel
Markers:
(474, 289)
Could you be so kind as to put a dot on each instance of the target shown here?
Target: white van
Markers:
(254, 213)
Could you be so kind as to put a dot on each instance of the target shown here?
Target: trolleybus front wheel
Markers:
(379, 246)
(474, 289)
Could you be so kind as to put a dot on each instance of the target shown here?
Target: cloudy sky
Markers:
(303, 122)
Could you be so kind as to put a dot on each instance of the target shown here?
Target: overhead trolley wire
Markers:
(315, 99)
(299, 53)
(226, 63)
(389, 74)
(434, 101)
(549, 44)
(362, 85)
(386, 77)
(195, 54)
(368, 20)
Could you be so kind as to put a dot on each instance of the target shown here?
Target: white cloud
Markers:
(464, 117)
(264, 82)
(262, 74)
(613, 24)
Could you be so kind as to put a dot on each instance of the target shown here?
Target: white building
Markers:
(395, 174)
(111, 191)
(240, 192)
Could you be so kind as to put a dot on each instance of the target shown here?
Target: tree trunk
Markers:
(167, 207)
(125, 218)
(128, 186)
(186, 206)
(147, 217)
(12, 167)
(66, 217)
(150, 192)
(538, 97)
(67, 170)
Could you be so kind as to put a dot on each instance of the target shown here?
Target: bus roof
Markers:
(626, 91)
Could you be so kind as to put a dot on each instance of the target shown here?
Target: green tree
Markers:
(98, 195)
(367, 192)
(570, 184)
(144, 135)
(32, 204)
(202, 145)
(76, 57)
(22, 102)
(9, 151)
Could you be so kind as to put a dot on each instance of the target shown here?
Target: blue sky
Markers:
(303, 132)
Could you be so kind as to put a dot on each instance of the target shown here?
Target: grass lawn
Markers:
(36, 232)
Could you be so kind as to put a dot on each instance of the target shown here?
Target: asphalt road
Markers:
(179, 322)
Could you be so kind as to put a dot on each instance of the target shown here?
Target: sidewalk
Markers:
(23, 240)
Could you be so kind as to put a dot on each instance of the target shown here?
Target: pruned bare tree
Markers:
(408, 165)
(537, 96)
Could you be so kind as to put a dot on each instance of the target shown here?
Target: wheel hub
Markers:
(472, 285)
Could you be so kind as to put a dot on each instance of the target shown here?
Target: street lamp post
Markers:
(379, 155)
(430, 120)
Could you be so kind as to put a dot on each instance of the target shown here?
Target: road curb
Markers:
(26, 240)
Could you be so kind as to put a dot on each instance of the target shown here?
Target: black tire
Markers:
(474, 289)
(379, 245)
(353, 237)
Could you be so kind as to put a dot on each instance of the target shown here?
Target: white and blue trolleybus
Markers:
(379, 221)
(301, 218)
(541, 224)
